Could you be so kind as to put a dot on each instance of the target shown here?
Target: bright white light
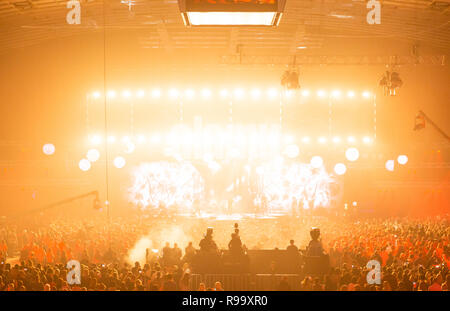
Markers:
(288, 139)
(111, 94)
(96, 140)
(351, 139)
(189, 93)
(367, 140)
(48, 149)
(366, 94)
(402, 159)
(126, 94)
(255, 93)
(141, 139)
(292, 151)
(322, 140)
(84, 165)
(173, 93)
(390, 165)
(156, 93)
(111, 139)
(93, 155)
(351, 94)
(155, 138)
(306, 140)
(336, 93)
(96, 94)
(140, 93)
(336, 139)
(224, 93)
(321, 93)
(354, 203)
(340, 169)
(352, 154)
(289, 93)
(231, 18)
(129, 147)
(206, 93)
(238, 93)
(305, 93)
(316, 162)
(272, 92)
(119, 162)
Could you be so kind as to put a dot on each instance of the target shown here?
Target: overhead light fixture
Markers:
(231, 12)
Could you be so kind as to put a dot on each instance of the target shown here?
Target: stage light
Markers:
(231, 18)
(352, 154)
(336, 139)
(351, 94)
(238, 93)
(366, 94)
(321, 93)
(155, 138)
(402, 159)
(206, 93)
(306, 140)
(111, 94)
(93, 155)
(336, 93)
(367, 140)
(96, 94)
(288, 139)
(156, 93)
(292, 151)
(390, 165)
(340, 169)
(316, 162)
(84, 165)
(140, 93)
(126, 94)
(351, 139)
(173, 93)
(141, 139)
(125, 139)
(305, 93)
(119, 162)
(48, 149)
(322, 140)
(255, 93)
(355, 203)
(272, 92)
(224, 93)
(96, 140)
(189, 94)
(129, 147)
(111, 139)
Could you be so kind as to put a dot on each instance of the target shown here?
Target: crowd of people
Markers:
(414, 254)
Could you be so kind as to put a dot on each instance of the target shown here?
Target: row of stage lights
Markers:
(96, 140)
(238, 93)
(351, 154)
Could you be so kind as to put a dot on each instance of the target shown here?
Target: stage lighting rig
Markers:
(390, 82)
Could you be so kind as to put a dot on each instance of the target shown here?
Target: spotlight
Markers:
(402, 159)
(351, 94)
(352, 154)
(351, 139)
(156, 93)
(84, 165)
(367, 140)
(206, 93)
(336, 93)
(48, 149)
(306, 140)
(141, 139)
(126, 94)
(189, 94)
(390, 165)
(316, 162)
(223, 93)
(321, 93)
(111, 139)
(366, 94)
(340, 169)
(238, 93)
(111, 94)
(119, 162)
(173, 93)
(289, 80)
(336, 139)
(322, 140)
(140, 93)
(272, 92)
(96, 140)
(255, 93)
(93, 155)
(305, 93)
(96, 94)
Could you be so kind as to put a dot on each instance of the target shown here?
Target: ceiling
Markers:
(306, 26)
